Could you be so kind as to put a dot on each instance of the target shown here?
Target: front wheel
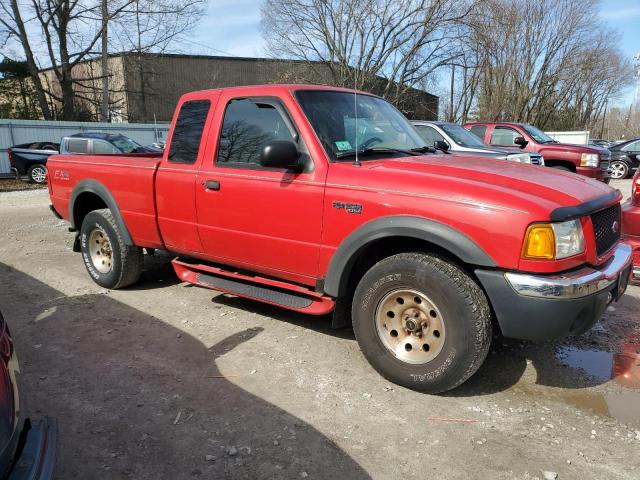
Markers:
(109, 260)
(619, 170)
(421, 322)
(38, 173)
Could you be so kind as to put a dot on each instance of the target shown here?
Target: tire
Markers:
(37, 173)
(560, 167)
(452, 306)
(619, 170)
(109, 260)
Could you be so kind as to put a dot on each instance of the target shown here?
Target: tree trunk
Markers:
(31, 63)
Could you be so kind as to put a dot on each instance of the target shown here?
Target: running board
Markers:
(274, 292)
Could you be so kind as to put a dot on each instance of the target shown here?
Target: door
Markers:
(632, 150)
(504, 136)
(176, 176)
(264, 219)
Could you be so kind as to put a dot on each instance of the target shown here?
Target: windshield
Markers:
(379, 124)
(124, 144)
(461, 136)
(537, 134)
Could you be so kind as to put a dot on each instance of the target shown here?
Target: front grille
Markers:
(606, 227)
(605, 161)
(535, 159)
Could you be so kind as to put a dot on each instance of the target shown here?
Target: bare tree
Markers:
(387, 46)
(70, 31)
(548, 62)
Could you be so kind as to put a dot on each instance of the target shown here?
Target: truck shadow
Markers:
(507, 362)
(137, 398)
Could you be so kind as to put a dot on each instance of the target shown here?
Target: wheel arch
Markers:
(398, 233)
(89, 195)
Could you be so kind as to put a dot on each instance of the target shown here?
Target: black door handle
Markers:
(212, 185)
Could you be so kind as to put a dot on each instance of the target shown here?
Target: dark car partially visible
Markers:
(625, 158)
(31, 159)
(27, 447)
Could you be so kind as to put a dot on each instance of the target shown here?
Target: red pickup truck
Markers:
(585, 160)
(325, 200)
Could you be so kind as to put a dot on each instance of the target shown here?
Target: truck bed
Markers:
(116, 173)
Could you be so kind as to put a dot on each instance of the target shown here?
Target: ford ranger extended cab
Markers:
(326, 201)
(590, 161)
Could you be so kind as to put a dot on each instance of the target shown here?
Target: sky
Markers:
(232, 27)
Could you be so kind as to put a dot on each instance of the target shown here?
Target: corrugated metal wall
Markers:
(15, 132)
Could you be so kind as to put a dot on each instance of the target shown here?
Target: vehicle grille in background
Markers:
(605, 161)
(535, 159)
(606, 226)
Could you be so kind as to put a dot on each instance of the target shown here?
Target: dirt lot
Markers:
(167, 381)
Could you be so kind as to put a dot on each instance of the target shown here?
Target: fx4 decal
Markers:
(349, 207)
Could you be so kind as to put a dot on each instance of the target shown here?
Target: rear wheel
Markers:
(108, 259)
(619, 170)
(421, 322)
(38, 173)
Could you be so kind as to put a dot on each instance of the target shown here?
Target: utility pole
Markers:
(104, 110)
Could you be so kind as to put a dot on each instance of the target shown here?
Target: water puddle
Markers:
(622, 368)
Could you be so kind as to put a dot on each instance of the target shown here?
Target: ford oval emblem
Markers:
(615, 227)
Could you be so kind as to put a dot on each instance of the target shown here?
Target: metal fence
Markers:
(16, 132)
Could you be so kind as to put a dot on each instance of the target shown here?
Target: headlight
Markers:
(519, 157)
(553, 241)
(589, 160)
(541, 160)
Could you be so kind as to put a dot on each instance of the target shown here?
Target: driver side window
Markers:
(632, 147)
(504, 136)
(429, 134)
(248, 125)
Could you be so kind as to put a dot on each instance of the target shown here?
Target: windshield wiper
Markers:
(376, 150)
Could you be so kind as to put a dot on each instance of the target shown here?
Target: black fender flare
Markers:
(93, 186)
(437, 233)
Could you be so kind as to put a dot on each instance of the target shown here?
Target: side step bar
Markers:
(274, 292)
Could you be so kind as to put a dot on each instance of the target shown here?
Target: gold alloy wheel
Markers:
(410, 326)
(101, 252)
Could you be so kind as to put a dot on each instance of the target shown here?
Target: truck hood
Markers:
(570, 147)
(509, 184)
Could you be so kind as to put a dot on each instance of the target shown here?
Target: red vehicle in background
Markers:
(589, 161)
(631, 226)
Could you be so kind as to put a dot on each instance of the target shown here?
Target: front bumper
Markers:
(543, 307)
(37, 451)
(592, 172)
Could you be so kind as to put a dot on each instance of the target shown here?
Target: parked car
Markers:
(93, 143)
(451, 137)
(589, 161)
(27, 447)
(31, 159)
(631, 225)
(600, 143)
(262, 193)
(625, 158)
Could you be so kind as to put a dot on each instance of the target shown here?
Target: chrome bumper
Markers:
(575, 284)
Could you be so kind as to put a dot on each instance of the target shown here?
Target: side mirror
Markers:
(521, 141)
(280, 154)
(441, 145)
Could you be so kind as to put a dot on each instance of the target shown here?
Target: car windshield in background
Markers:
(124, 144)
(461, 136)
(537, 134)
(379, 126)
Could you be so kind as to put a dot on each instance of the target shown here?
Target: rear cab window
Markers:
(187, 133)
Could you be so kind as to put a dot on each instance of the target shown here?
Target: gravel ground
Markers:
(12, 184)
(167, 381)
